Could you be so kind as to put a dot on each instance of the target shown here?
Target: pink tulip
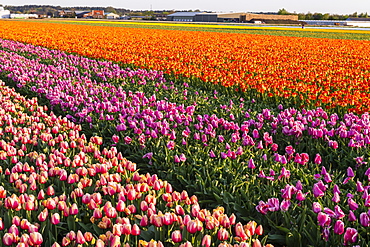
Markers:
(251, 164)
(257, 243)
(80, 239)
(222, 234)
(43, 215)
(74, 209)
(176, 236)
(206, 241)
(115, 138)
(35, 238)
(239, 231)
(317, 159)
(55, 219)
(135, 231)
(9, 239)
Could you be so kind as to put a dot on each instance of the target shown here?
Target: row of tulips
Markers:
(60, 189)
(328, 72)
(243, 157)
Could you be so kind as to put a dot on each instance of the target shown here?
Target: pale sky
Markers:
(320, 6)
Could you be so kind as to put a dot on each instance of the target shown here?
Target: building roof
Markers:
(188, 14)
(357, 19)
(81, 12)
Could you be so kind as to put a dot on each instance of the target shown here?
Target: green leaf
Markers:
(71, 223)
(283, 229)
(294, 239)
(277, 238)
(84, 226)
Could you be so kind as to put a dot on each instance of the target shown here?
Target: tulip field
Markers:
(133, 136)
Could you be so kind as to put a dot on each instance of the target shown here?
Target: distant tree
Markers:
(283, 12)
(317, 16)
(325, 16)
(111, 10)
(363, 15)
(354, 15)
(309, 16)
(301, 16)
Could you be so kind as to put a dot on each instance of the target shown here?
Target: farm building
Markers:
(4, 13)
(228, 17)
(183, 16)
(218, 17)
(251, 17)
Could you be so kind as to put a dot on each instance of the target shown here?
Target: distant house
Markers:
(66, 14)
(358, 22)
(111, 16)
(96, 14)
(4, 13)
(82, 14)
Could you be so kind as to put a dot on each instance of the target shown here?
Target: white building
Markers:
(111, 16)
(4, 13)
(23, 16)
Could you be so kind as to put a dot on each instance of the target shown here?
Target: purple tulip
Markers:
(323, 219)
(316, 207)
(251, 164)
(352, 204)
(274, 204)
(284, 206)
(338, 212)
(339, 227)
(364, 219)
(350, 172)
(351, 216)
(317, 192)
(336, 197)
(350, 235)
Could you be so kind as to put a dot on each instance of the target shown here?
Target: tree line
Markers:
(321, 16)
(53, 11)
